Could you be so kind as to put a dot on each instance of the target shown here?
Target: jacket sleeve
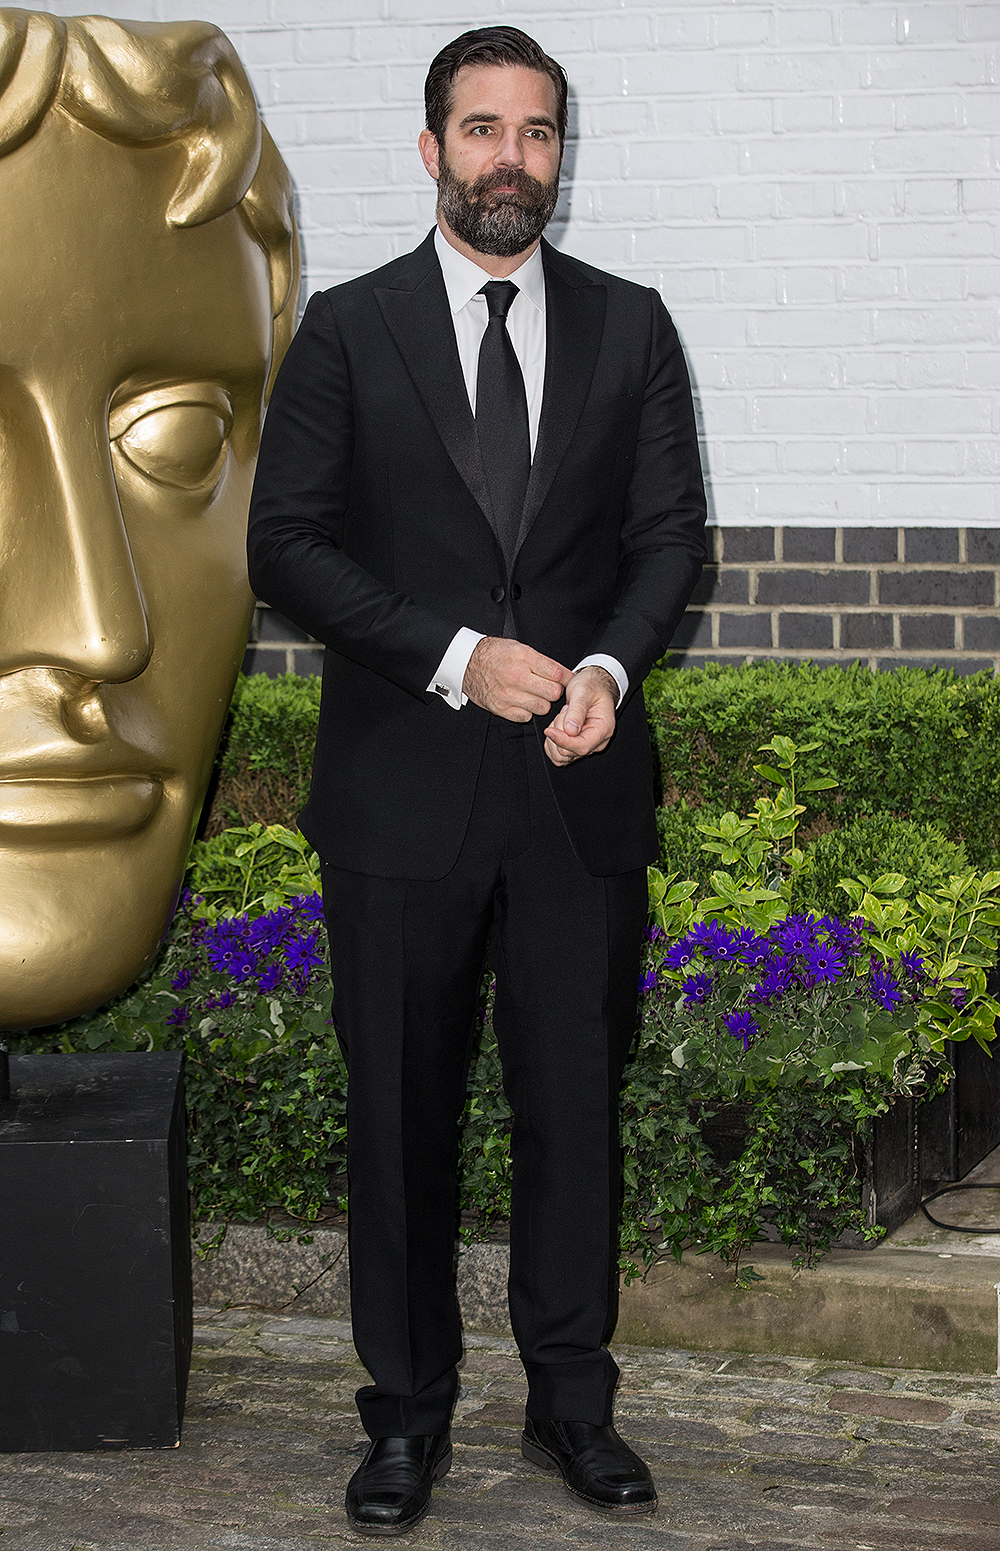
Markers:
(297, 519)
(663, 528)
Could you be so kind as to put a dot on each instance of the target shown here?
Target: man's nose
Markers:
(510, 151)
(69, 594)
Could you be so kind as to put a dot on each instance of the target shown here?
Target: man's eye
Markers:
(179, 444)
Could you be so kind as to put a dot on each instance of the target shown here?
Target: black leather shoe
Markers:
(391, 1490)
(594, 1463)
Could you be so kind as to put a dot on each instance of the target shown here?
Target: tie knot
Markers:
(499, 297)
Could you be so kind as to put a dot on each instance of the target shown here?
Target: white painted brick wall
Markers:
(812, 187)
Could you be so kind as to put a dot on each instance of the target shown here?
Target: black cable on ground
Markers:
(954, 1227)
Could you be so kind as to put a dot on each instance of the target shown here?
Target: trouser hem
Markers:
(572, 1392)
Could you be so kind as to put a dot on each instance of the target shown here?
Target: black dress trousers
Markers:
(407, 959)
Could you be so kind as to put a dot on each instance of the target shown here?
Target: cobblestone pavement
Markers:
(746, 1452)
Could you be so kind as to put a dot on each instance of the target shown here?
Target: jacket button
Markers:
(515, 591)
(498, 595)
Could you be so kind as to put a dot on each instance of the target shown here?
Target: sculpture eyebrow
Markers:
(540, 120)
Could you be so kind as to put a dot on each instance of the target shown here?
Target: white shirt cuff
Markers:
(450, 675)
(610, 665)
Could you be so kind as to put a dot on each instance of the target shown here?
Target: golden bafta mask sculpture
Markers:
(148, 275)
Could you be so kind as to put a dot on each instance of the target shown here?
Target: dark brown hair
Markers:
(488, 46)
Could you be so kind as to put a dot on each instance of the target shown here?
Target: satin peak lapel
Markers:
(574, 328)
(419, 321)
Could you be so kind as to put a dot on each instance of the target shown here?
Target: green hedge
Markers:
(919, 745)
(875, 843)
(265, 756)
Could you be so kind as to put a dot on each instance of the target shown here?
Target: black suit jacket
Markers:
(371, 528)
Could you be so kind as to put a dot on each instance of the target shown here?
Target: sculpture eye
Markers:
(182, 445)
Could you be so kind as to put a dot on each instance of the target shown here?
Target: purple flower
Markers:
(754, 950)
(679, 954)
(309, 905)
(226, 999)
(914, 965)
(649, 982)
(883, 987)
(795, 934)
(654, 934)
(720, 944)
(701, 933)
(775, 981)
(225, 943)
(178, 1015)
(302, 955)
(824, 963)
(269, 979)
(242, 965)
(959, 997)
(269, 930)
(741, 1025)
(843, 933)
(181, 980)
(696, 989)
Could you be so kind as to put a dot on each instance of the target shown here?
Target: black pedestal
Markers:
(95, 1267)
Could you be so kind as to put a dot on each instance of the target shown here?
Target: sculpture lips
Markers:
(77, 808)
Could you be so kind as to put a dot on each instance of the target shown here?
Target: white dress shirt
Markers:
(526, 326)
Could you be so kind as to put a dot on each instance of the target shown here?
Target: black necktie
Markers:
(502, 417)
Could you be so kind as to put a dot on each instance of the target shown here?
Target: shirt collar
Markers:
(463, 279)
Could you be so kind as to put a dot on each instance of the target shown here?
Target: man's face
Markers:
(132, 362)
(498, 169)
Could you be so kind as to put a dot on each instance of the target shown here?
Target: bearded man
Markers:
(479, 486)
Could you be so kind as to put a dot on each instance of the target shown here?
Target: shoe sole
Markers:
(440, 1469)
(539, 1456)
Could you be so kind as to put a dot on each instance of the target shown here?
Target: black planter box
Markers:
(95, 1266)
(962, 1124)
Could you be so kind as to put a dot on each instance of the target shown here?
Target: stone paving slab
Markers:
(777, 1453)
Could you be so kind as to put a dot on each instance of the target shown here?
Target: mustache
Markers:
(530, 188)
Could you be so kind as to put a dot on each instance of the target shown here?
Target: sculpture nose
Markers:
(69, 595)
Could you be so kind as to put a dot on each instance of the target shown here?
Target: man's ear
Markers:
(429, 152)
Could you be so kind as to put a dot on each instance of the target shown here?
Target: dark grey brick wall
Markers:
(883, 596)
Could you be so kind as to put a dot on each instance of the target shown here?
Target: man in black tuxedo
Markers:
(479, 486)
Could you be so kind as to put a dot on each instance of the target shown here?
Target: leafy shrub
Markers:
(682, 842)
(251, 869)
(875, 843)
(921, 745)
(265, 756)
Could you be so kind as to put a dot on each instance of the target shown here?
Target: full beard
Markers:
(498, 225)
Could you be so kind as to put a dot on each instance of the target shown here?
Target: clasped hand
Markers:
(516, 682)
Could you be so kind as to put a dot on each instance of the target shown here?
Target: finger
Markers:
(579, 701)
(540, 685)
(526, 706)
(570, 743)
(594, 737)
(557, 755)
(546, 668)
